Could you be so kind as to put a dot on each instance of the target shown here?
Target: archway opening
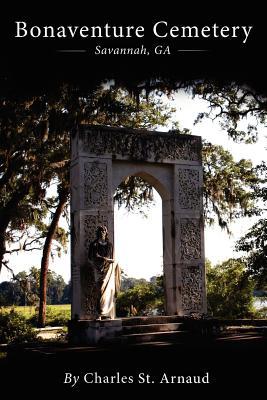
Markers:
(138, 244)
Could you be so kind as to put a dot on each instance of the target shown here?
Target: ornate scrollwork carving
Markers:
(89, 291)
(189, 189)
(190, 239)
(141, 145)
(95, 184)
(192, 290)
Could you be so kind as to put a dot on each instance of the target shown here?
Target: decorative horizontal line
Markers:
(193, 50)
(71, 51)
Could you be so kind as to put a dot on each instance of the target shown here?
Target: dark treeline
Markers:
(23, 289)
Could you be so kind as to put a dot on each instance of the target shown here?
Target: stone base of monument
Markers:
(92, 332)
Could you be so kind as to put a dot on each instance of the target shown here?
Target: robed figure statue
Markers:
(106, 274)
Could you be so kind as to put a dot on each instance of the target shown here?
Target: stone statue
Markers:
(106, 274)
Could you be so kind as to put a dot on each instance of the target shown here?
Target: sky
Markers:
(139, 240)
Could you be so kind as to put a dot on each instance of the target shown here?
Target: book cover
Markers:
(63, 57)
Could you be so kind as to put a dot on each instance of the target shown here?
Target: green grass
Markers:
(56, 315)
(28, 311)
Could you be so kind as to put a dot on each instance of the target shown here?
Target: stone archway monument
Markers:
(102, 157)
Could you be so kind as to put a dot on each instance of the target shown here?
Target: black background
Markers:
(32, 64)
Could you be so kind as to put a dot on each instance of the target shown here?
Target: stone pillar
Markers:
(189, 240)
(91, 205)
(168, 254)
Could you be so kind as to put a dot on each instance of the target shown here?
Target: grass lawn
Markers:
(29, 311)
(57, 314)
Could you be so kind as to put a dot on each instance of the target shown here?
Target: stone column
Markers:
(189, 240)
(168, 256)
(92, 204)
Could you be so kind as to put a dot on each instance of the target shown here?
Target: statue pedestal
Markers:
(93, 332)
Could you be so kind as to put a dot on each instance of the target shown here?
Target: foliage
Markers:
(14, 328)
(143, 298)
(34, 153)
(35, 147)
(134, 193)
(11, 293)
(241, 111)
(229, 290)
(57, 315)
(261, 313)
(36, 131)
(66, 295)
(238, 108)
(255, 243)
(54, 317)
(116, 107)
(24, 289)
(130, 282)
(229, 186)
(29, 311)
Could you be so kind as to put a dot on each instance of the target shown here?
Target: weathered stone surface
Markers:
(140, 145)
(190, 239)
(95, 185)
(192, 289)
(189, 189)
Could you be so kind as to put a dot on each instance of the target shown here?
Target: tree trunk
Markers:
(63, 197)
(2, 248)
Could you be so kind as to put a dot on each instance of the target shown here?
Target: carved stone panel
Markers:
(190, 239)
(189, 189)
(89, 291)
(141, 145)
(192, 289)
(95, 185)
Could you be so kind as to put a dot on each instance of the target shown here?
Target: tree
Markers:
(144, 297)
(14, 328)
(228, 190)
(25, 287)
(229, 186)
(55, 288)
(47, 119)
(229, 290)
(11, 294)
(66, 296)
(254, 243)
(241, 110)
(30, 149)
(130, 282)
(58, 116)
(50, 236)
